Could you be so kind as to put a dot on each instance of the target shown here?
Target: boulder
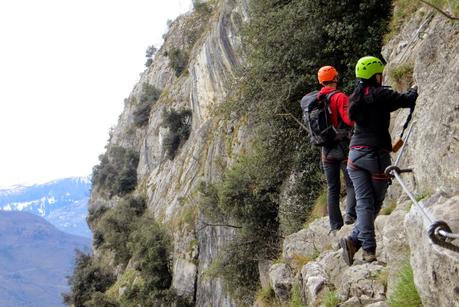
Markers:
(361, 281)
(282, 279)
(395, 244)
(435, 269)
(309, 241)
(314, 279)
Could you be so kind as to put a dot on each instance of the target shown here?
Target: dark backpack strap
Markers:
(327, 99)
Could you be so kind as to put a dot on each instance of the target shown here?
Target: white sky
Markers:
(65, 68)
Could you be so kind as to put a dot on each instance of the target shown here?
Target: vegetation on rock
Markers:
(179, 125)
(117, 172)
(89, 279)
(178, 60)
(405, 293)
(134, 239)
(150, 94)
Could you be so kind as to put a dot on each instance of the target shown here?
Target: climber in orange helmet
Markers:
(334, 155)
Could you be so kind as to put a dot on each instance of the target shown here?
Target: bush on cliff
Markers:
(116, 173)
(130, 235)
(179, 125)
(88, 279)
(178, 60)
(150, 94)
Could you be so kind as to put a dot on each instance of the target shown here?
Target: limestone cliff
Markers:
(428, 43)
(170, 185)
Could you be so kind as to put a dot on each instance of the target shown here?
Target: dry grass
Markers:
(319, 210)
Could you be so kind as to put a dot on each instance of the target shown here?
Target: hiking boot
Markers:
(368, 256)
(349, 250)
(348, 219)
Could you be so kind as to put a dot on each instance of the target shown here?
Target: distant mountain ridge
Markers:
(62, 202)
(35, 259)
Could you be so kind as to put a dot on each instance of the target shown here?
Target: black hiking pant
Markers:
(334, 159)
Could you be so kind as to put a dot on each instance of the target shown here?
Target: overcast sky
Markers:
(65, 68)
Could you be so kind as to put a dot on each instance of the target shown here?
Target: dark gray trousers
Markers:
(366, 168)
(334, 159)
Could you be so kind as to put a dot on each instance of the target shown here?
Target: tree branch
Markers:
(217, 225)
(440, 10)
(295, 119)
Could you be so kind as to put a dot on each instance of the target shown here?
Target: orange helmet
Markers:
(326, 73)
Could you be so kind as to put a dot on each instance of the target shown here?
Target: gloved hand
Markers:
(413, 93)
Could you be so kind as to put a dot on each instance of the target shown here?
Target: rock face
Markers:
(430, 44)
(436, 268)
(281, 278)
(170, 185)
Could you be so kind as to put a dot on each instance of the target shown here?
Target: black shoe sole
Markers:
(347, 257)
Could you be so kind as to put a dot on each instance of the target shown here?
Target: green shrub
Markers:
(142, 114)
(132, 236)
(99, 299)
(330, 299)
(402, 76)
(117, 172)
(295, 300)
(94, 214)
(319, 208)
(389, 208)
(202, 7)
(88, 280)
(179, 125)
(266, 295)
(149, 246)
(117, 224)
(178, 60)
(149, 53)
(403, 9)
(405, 293)
(239, 270)
(150, 94)
(148, 62)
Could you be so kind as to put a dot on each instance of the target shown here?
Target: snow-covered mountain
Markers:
(61, 202)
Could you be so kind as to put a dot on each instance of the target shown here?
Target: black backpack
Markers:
(316, 116)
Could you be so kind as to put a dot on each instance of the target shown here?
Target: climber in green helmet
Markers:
(370, 107)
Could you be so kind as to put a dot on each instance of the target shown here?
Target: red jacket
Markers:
(339, 103)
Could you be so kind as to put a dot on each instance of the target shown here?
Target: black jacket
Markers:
(371, 112)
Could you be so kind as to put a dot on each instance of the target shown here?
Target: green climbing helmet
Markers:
(368, 66)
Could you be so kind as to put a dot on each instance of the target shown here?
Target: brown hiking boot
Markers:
(368, 256)
(349, 250)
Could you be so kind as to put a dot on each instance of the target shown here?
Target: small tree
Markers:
(150, 94)
(88, 278)
(117, 171)
(178, 60)
(179, 124)
(202, 7)
(149, 53)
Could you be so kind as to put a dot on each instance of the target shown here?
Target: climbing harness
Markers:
(439, 232)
